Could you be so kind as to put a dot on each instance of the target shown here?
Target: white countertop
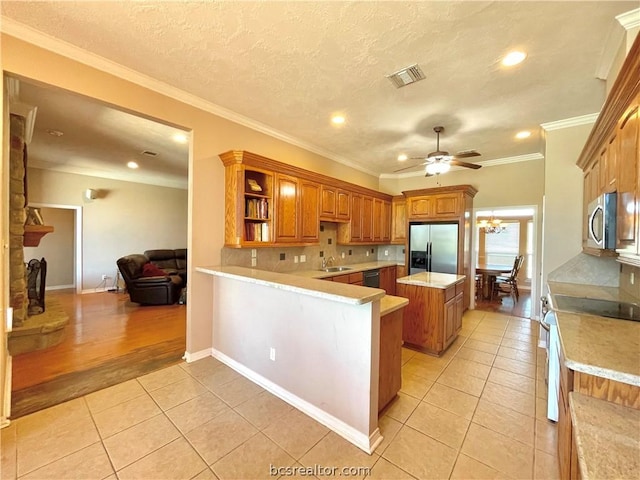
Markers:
(432, 279)
(339, 292)
(600, 346)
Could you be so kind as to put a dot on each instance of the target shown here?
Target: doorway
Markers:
(78, 144)
(502, 234)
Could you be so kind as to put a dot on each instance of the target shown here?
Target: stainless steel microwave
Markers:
(601, 222)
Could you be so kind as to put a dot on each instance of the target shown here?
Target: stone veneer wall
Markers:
(17, 215)
(269, 258)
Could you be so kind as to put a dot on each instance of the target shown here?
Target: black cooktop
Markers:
(592, 306)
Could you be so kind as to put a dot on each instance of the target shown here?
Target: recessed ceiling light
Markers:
(513, 58)
(402, 157)
(523, 134)
(55, 133)
(132, 164)
(180, 138)
(338, 119)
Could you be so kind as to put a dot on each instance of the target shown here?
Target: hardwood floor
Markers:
(507, 306)
(108, 340)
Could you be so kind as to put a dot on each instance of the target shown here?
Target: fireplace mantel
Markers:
(33, 234)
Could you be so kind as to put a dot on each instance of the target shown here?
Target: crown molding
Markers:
(489, 163)
(60, 47)
(630, 19)
(570, 122)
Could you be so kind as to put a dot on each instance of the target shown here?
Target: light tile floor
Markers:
(476, 412)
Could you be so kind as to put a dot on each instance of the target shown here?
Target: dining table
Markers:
(489, 273)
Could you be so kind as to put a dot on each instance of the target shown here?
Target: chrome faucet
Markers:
(328, 261)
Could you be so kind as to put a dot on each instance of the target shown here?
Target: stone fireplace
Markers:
(40, 330)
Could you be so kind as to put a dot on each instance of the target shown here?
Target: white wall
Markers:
(563, 181)
(57, 247)
(126, 218)
(326, 352)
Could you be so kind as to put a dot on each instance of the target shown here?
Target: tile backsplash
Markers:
(630, 280)
(270, 258)
(589, 270)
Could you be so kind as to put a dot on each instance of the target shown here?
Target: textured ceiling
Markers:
(290, 65)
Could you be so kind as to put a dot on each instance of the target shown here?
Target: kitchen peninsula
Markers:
(433, 318)
(313, 343)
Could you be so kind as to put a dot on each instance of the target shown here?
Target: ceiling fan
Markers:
(440, 161)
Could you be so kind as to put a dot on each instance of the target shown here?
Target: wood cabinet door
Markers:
(420, 207)
(398, 221)
(627, 183)
(449, 330)
(356, 217)
(378, 220)
(459, 301)
(388, 280)
(343, 205)
(287, 221)
(328, 202)
(386, 221)
(367, 219)
(310, 211)
(447, 205)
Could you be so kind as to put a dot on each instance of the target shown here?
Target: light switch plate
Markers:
(254, 261)
(295, 259)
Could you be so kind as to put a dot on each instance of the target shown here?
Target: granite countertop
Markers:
(391, 303)
(432, 279)
(340, 292)
(600, 346)
(353, 268)
(607, 437)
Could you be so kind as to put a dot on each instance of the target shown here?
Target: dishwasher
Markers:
(371, 278)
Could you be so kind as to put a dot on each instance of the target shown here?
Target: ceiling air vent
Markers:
(406, 76)
(149, 153)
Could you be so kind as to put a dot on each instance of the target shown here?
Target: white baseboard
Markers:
(368, 443)
(59, 287)
(192, 357)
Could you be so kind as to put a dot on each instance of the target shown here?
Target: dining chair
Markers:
(509, 285)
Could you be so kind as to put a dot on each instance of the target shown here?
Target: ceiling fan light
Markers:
(437, 168)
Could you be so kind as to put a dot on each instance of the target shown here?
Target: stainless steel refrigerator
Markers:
(433, 247)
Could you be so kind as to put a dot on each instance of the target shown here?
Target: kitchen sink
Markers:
(592, 306)
(335, 269)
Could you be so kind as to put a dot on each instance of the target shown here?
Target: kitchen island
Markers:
(313, 343)
(599, 392)
(433, 318)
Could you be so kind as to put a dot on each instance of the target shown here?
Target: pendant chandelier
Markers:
(493, 225)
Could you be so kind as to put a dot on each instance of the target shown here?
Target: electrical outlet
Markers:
(342, 255)
(254, 253)
(303, 258)
(386, 252)
(367, 253)
(272, 354)
(254, 261)
(632, 278)
(105, 276)
(295, 259)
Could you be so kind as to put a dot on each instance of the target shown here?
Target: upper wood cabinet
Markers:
(610, 160)
(269, 203)
(398, 219)
(428, 207)
(249, 204)
(628, 191)
(287, 221)
(309, 211)
(335, 204)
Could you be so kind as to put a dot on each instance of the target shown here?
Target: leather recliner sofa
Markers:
(173, 262)
(148, 290)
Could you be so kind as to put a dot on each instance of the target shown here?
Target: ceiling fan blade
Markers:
(459, 163)
(467, 154)
(412, 166)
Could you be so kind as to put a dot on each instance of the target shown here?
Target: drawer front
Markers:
(341, 278)
(356, 277)
(449, 293)
(459, 288)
